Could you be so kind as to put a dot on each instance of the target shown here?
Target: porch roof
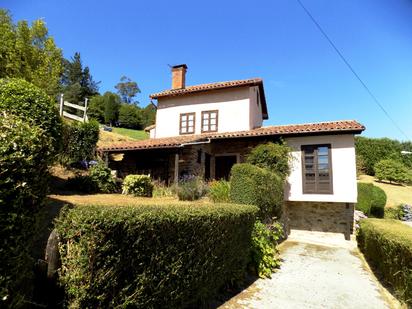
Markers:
(320, 128)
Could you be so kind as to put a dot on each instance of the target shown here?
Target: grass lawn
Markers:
(119, 199)
(397, 194)
(134, 134)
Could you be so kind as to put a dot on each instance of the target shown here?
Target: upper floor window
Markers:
(187, 123)
(209, 121)
(317, 169)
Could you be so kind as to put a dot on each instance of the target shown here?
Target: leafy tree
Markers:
(148, 115)
(392, 171)
(274, 157)
(129, 116)
(111, 107)
(77, 81)
(29, 53)
(96, 108)
(127, 89)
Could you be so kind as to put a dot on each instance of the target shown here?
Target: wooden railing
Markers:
(63, 113)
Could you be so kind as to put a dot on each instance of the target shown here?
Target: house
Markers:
(205, 129)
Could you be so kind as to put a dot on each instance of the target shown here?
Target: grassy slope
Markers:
(396, 194)
(135, 134)
(119, 135)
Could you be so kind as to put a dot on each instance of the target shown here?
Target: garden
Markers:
(123, 242)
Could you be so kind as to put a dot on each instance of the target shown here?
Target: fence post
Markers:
(61, 104)
(85, 119)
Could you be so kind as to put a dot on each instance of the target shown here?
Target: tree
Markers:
(30, 53)
(391, 170)
(77, 81)
(96, 108)
(129, 116)
(148, 115)
(111, 107)
(127, 89)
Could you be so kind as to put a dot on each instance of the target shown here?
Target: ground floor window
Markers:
(317, 169)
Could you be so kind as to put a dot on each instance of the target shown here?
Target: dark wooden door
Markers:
(223, 165)
(207, 166)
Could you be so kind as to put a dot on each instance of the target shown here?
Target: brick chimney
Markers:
(179, 76)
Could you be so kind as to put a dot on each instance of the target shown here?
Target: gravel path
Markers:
(319, 270)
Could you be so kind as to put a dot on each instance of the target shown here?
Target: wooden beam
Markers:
(82, 108)
(71, 116)
(176, 178)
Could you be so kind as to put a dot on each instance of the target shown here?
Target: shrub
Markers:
(191, 188)
(250, 184)
(391, 170)
(80, 139)
(166, 256)
(138, 185)
(219, 191)
(32, 104)
(130, 116)
(371, 200)
(24, 154)
(265, 257)
(102, 177)
(274, 157)
(394, 212)
(162, 190)
(82, 183)
(387, 246)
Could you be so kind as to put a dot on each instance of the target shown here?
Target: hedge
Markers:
(250, 184)
(138, 185)
(152, 256)
(387, 246)
(371, 200)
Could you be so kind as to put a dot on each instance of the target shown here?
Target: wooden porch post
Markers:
(106, 159)
(176, 178)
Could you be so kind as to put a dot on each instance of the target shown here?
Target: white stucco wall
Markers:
(255, 118)
(233, 106)
(343, 169)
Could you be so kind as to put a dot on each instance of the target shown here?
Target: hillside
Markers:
(120, 135)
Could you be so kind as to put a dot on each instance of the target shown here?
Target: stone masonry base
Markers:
(321, 216)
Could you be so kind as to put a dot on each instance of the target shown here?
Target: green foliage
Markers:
(138, 185)
(219, 191)
(373, 150)
(265, 258)
(32, 104)
(274, 157)
(96, 107)
(371, 200)
(387, 246)
(162, 190)
(149, 256)
(111, 107)
(191, 188)
(79, 142)
(24, 155)
(394, 212)
(129, 116)
(148, 115)
(102, 177)
(392, 171)
(82, 183)
(127, 89)
(28, 52)
(250, 184)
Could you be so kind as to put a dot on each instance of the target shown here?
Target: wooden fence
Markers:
(63, 113)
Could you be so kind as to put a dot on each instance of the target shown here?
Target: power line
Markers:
(374, 98)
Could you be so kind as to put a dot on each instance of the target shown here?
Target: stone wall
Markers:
(321, 216)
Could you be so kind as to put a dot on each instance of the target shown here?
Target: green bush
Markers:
(149, 256)
(79, 143)
(191, 188)
(387, 246)
(250, 184)
(24, 155)
(32, 104)
(371, 200)
(265, 258)
(102, 177)
(138, 185)
(392, 171)
(394, 212)
(274, 157)
(162, 190)
(219, 191)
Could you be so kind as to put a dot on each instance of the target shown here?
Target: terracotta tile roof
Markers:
(338, 127)
(215, 86)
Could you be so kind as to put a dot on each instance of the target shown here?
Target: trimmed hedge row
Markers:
(371, 200)
(250, 184)
(166, 256)
(387, 245)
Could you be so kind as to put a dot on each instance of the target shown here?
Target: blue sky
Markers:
(304, 79)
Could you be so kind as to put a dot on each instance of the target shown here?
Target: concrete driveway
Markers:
(319, 270)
